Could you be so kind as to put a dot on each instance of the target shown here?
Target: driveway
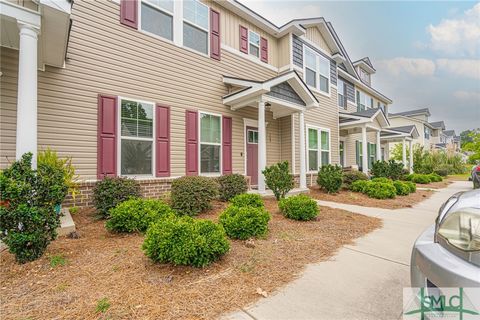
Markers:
(364, 280)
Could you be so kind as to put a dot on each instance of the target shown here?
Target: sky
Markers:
(427, 54)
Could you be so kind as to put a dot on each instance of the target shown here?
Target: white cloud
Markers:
(467, 95)
(458, 37)
(411, 66)
(460, 67)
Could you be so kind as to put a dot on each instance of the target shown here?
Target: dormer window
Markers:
(254, 44)
(364, 76)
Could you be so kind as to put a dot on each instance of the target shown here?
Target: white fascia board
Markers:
(238, 82)
(20, 14)
(364, 66)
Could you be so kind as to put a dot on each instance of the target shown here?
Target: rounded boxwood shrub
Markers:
(380, 190)
(244, 222)
(191, 195)
(247, 200)
(350, 177)
(109, 192)
(360, 185)
(412, 186)
(300, 207)
(136, 215)
(231, 185)
(330, 178)
(408, 177)
(185, 241)
(402, 188)
(421, 178)
(435, 177)
(383, 180)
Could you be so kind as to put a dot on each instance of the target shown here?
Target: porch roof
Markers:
(398, 133)
(284, 94)
(363, 117)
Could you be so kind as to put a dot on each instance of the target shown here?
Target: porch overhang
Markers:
(363, 118)
(398, 134)
(294, 97)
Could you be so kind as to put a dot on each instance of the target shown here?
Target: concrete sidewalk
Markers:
(363, 281)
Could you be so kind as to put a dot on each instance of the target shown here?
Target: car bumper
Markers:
(431, 262)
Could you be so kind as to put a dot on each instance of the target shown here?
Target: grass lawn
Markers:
(360, 199)
(107, 276)
(459, 177)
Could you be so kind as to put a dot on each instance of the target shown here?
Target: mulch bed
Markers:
(435, 185)
(104, 265)
(360, 199)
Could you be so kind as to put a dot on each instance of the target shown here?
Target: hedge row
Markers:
(383, 188)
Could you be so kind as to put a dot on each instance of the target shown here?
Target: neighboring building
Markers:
(438, 138)
(418, 118)
(452, 141)
(160, 89)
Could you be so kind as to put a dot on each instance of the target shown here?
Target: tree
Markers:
(473, 146)
(465, 136)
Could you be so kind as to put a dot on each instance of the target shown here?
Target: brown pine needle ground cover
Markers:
(101, 265)
(435, 185)
(360, 199)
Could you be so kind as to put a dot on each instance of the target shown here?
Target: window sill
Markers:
(315, 90)
(210, 175)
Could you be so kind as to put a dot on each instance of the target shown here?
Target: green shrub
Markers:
(350, 177)
(28, 221)
(191, 195)
(300, 207)
(435, 177)
(402, 188)
(109, 192)
(231, 185)
(383, 169)
(360, 185)
(278, 179)
(408, 177)
(247, 200)
(421, 178)
(444, 170)
(330, 178)
(383, 180)
(136, 215)
(244, 222)
(412, 186)
(380, 190)
(185, 241)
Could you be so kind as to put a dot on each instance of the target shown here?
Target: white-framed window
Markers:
(156, 17)
(210, 143)
(136, 144)
(254, 44)
(318, 147)
(316, 70)
(364, 75)
(364, 101)
(195, 26)
(427, 132)
(342, 99)
(252, 136)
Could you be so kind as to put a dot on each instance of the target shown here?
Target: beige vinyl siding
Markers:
(286, 139)
(284, 51)
(105, 57)
(230, 32)
(314, 35)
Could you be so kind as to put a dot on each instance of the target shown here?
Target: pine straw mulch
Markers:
(435, 185)
(104, 265)
(360, 199)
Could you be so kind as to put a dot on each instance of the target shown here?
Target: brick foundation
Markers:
(149, 188)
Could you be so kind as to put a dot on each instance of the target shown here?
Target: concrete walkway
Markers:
(364, 280)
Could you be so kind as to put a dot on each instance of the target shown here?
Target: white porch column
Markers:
(27, 93)
(410, 163)
(379, 147)
(364, 150)
(303, 164)
(404, 153)
(262, 146)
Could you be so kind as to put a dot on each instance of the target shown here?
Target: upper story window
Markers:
(342, 95)
(364, 75)
(317, 71)
(364, 101)
(136, 137)
(254, 44)
(195, 26)
(157, 17)
(426, 132)
(210, 143)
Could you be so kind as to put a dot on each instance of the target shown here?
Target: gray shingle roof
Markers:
(412, 112)
(405, 129)
(368, 113)
(449, 133)
(438, 124)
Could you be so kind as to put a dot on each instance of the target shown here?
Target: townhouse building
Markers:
(155, 90)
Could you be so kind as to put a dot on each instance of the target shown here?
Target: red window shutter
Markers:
(215, 42)
(227, 145)
(243, 39)
(191, 150)
(264, 50)
(107, 137)
(129, 13)
(162, 141)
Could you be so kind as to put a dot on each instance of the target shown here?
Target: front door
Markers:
(252, 154)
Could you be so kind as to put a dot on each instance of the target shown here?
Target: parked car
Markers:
(447, 254)
(475, 176)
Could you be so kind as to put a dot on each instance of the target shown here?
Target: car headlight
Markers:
(462, 229)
